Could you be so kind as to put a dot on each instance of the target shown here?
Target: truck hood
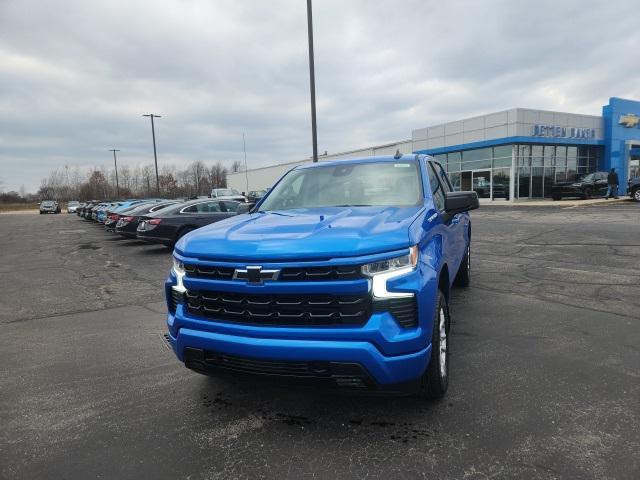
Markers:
(302, 234)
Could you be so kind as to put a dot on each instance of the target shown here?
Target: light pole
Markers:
(246, 170)
(312, 81)
(155, 155)
(115, 162)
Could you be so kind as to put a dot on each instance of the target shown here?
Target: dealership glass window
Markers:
(524, 177)
(571, 169)
(572, 152)
(549, 155)
(501, 183)
(561, 155)
(476, 159)
(453, 162)
(524, 155)
(502, 156)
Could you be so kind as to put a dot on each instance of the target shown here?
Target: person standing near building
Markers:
(613, 182)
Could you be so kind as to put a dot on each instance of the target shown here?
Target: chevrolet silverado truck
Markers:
(340, 276)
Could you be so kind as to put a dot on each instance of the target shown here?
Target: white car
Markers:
(228, 194)
(72, 206)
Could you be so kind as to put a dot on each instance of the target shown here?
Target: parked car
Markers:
(113, 213)
(592, 184)
(633, 187)
(72, 206)
(254, 196)
(343, 276)
(87, 212)
(168, 225)
(49, 206)
(227, 194)
(127, 224)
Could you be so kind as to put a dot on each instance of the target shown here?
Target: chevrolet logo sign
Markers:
(255, 274)
(629, 120)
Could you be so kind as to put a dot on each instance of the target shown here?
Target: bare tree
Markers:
(236, 166)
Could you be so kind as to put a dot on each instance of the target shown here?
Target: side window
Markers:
(229, 206)
(444, 178)
(190, 209)
(208, 207)
(436, 187)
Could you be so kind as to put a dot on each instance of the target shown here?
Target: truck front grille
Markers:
(280, 310)
(288, 274)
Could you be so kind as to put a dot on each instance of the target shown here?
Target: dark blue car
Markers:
(341, 275)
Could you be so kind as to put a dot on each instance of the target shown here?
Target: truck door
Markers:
(455, 226)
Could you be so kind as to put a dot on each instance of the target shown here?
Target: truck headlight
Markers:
(384, 270)
(179, 272)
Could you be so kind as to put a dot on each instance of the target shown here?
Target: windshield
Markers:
(588, 178)
(354, 185)
(226, 192)
(73, 203)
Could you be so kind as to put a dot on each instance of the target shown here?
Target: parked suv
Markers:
(592, 184)
(633, 187)
(49, 206)
(340, 275)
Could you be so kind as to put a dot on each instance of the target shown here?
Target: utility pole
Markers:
(155, 155)
(115, 162)
(312, 81)
(246, 170)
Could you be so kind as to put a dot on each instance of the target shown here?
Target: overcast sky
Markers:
(76, 76)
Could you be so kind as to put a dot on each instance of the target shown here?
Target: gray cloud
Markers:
(76, 76)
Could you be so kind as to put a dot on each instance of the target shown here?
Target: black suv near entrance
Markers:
(591, 185)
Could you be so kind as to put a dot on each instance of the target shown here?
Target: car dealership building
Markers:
(513, 154)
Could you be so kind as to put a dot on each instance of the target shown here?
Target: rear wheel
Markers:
(463, 277)
(435, 380)
(556, 197)
(587, 193)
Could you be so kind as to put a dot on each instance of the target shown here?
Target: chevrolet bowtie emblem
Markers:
(629, 120)
(255, 274)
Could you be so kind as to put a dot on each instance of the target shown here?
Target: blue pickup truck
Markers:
(340, 276)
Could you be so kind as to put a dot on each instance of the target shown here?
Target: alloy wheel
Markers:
(443, 342)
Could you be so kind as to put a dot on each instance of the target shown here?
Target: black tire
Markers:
(635, 194)
(586, 194)
(556, 197)
(435, 380)
(463, 277)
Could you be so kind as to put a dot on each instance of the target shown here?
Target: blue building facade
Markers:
(520, 153)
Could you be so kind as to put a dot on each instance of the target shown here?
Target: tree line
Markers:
(69, 183)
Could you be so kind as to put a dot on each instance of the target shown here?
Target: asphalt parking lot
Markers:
(545, 379)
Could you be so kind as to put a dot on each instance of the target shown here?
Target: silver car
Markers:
(49, 206)
(72, 206)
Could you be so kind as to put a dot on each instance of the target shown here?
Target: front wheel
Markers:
(636, 194)
(556, 197)
(435, 380)
(463, 277)
(587, 194)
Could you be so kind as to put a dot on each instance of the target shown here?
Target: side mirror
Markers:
(458, 202)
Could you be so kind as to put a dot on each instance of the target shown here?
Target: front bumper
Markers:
(388, 353)
(375, 369)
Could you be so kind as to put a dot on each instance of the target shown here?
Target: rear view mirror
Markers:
(458, 202)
